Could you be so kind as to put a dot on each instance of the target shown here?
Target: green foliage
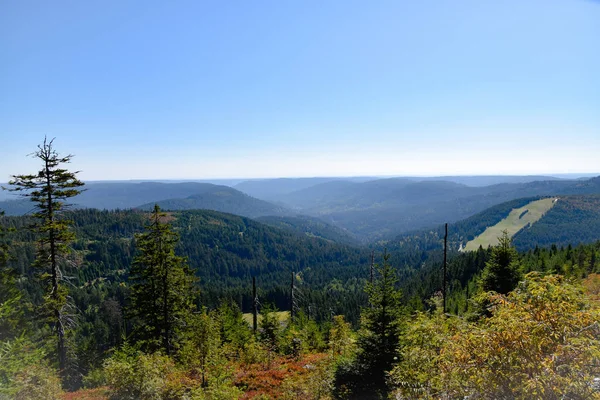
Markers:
(201, 349)
(302, 336)
(572, 220)
(24, 372)
(378, 339)
(234, 330)
(501, 273)
(38, 381)
(49, 190)
(270, 329)
(139, 377)
(162, 286)
(542, 340)
(421, 344)
(11, 299)
(311, 227)
(340, 337)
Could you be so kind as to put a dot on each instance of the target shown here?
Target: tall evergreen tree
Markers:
(162, 285)
(48, 190)
(378, 339)
(501, 273)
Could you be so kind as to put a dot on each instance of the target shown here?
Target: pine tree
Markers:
(162, 291)
(380, 323)
(378, 339)
(49, 189)
(501, 273)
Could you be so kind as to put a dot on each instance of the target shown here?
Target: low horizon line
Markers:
(548, 174)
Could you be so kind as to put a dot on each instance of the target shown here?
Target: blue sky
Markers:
(212, 89)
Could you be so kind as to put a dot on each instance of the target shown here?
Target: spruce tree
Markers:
(49, 189)
(162, 285)
(501, 273)
(378, 339)
(380, 324)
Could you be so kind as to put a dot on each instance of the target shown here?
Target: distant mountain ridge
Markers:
(175, 196)
(223, 199)
(382, 208)
(368, 210)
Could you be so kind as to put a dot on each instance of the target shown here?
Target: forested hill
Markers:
(223, 199)
(311, 226)
(561, 225)
(383, 208)
(187, 195)
(572, 220)
(225, 250)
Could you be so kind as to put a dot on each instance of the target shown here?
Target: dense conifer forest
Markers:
(137, 304)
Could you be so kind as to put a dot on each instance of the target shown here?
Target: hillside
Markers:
(123, 195)
(573, 220)
(559, 224)
(272, 189)
(223, 199)
(515, 221)
(383, 208)
(225, 250)
(185, 195)
(16, 206)
(370, 211)
(312, 227)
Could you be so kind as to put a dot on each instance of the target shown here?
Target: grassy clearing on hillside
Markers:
(516, 220)
(282, 317)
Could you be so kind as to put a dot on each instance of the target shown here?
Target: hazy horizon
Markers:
(235, 180)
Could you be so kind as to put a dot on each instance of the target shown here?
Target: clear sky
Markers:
(214, 89)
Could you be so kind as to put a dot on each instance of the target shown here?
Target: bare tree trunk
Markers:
(62, 356)
(254, 306)
(444, 277)
(166, 310)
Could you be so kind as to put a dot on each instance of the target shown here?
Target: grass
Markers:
(282, 316)
(513, 223)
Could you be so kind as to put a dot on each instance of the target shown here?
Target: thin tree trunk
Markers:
(62, 359)
(166, 309)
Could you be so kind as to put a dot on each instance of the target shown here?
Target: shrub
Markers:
(139, 377)
(24, 374)
(37, 382)
(541, 341)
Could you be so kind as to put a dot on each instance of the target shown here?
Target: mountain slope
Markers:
(383, 208)
(128, 195)
(515, 221)
(223, 199)
(312, 227)
(572, 219)
(225, 251)
(124, 195)
(272, 189)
